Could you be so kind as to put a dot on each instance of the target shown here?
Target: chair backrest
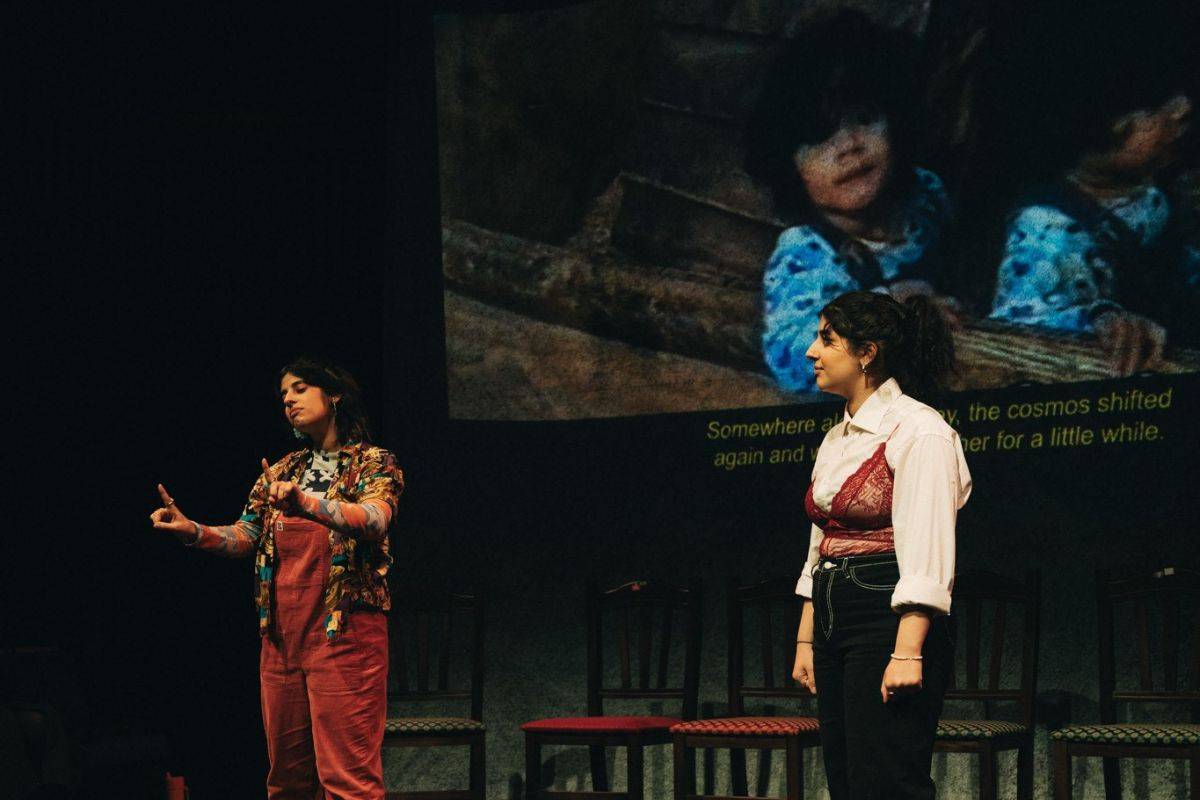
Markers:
(1157, 593)
(774, 608)
(641, 612)
(436, 637)
(983, 603)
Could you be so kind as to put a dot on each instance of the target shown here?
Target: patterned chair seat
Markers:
(977, 728)
(600, 725)
(1130, 733)
(749, 726)
(431, 725)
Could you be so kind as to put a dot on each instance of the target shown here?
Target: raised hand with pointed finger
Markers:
(169, 517)
(282, 495)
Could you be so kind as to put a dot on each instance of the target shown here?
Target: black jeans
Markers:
(872, 750)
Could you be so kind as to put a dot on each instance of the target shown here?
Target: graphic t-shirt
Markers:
(320, 474)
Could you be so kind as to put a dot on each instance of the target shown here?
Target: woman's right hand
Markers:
(802, 669)
(170, 518)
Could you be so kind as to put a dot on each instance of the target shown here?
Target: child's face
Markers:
(1150, 136)
(847, 172)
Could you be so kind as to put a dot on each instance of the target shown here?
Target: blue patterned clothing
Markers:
(1061, 259)
(813, 264)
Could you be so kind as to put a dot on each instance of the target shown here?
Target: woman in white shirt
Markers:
(875, 641)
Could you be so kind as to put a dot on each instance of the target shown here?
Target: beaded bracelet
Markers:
(907, 658)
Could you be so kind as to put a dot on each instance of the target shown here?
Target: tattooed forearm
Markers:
(234, 541)
(368, 520)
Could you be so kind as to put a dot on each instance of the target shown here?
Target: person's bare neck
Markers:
(873, 223)
(859, 396)
(328, 440)
(860, 227)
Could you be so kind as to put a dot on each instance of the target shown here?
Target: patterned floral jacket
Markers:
(361, 502)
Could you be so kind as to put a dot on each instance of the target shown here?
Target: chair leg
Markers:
(794, 760)
(599, 768)
(1025, 770)
(762, 777)
(533, 768)
(737, 772)
(635, 771)
(683, 762)
(1061, 757)
(1112, 779)
(987, 774)
(478, 779)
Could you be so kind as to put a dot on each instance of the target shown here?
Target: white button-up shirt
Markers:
(931, 482)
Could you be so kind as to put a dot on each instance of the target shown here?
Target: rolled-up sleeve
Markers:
(804, 585)
(931, 484)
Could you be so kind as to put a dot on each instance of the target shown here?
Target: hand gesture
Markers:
(170, 518)
(900, 678)
(282, 495)
(1133, 342)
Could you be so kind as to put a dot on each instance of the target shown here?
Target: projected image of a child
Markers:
(1094, 251)
(833, 136)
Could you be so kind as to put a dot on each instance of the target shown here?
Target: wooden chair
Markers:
(738, 732)
(1164, 589)
(633, 608)
(432, 618)
(973, 592)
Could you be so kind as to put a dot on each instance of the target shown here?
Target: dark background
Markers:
(201, 193)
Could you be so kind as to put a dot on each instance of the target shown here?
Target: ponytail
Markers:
(914, 343)
(926, 355)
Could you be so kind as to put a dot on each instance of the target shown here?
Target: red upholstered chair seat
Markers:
(749, 726)
(642, 612)
(601, 724)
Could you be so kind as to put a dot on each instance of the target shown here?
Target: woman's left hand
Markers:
(283, 495)
(901, 678)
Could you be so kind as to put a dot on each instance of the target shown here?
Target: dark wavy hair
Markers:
(351, 419)
(914, 344)
(840, 67)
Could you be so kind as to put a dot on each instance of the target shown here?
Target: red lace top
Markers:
(859, 521)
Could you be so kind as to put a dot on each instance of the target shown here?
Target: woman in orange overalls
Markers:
(316, 523)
